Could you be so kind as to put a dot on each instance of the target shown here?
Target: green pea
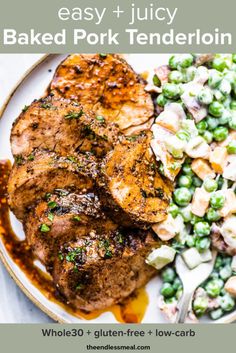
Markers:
(225, 272)
(175, 76)
(185, 60)
(196, 181)
(183, 135)
(202, 244)
(167, 290)
(202, 126)
(213, 287)
(226, 260)
(202, 229)
(233, 105)
(218, 262)
(168, 275)
(225, 118)
(171, 300)
(216, 109)
(195, 219)
(186, 168)
(219, 96)
(189, 73)
(210, 185)
(190, 241)
(227, 303)
(214, 275)
(232, 122)
(217, 200)
(185, 180)
(212, 215)
(220, 133)
(208, 136)
(186, 214)
(230, 76)
(171, 90)
(212, 122)
(215, 78)
(219, 64)
(205, 96)
(216, 314)
(173, 210)
(231, 148)
(161, 100)
(173, 62)
(225, 87)
(177, 284)
(182, 196)
(200, 305)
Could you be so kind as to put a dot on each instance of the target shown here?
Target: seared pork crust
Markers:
(67, 216)
(31, 179)
(107, 85)
(63, 126)
(131, 188)
(104, 268)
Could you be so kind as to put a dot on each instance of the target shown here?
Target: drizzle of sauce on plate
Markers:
(132, 310)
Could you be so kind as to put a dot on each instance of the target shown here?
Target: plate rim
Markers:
(227, 319)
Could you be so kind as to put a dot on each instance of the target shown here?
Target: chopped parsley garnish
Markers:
(105, 244)
(120, 238)
(74, 115)
(71, 159)
(47, 196)
(132, 138)
(26, 107)
(79, 286)
(31, 157)
(52, 204)
(108, 253)
(100, 118)
(19, 159)
(44, 228)
(74, 255)
(50, 217)
(77, 218)
(46, 105)
(60, 256)
(103, 55)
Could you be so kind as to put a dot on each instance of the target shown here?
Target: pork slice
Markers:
(67, 216)
(131, 188)
(30, 180)
(107, 85)
(103, 269)
(63, 126)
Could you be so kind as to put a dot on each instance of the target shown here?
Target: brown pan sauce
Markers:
(132, 310)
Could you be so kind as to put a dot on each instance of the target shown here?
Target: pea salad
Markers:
(194, 142)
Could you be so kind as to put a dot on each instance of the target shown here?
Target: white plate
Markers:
(32, 86)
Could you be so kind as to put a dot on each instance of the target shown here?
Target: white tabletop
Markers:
(15, 307)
